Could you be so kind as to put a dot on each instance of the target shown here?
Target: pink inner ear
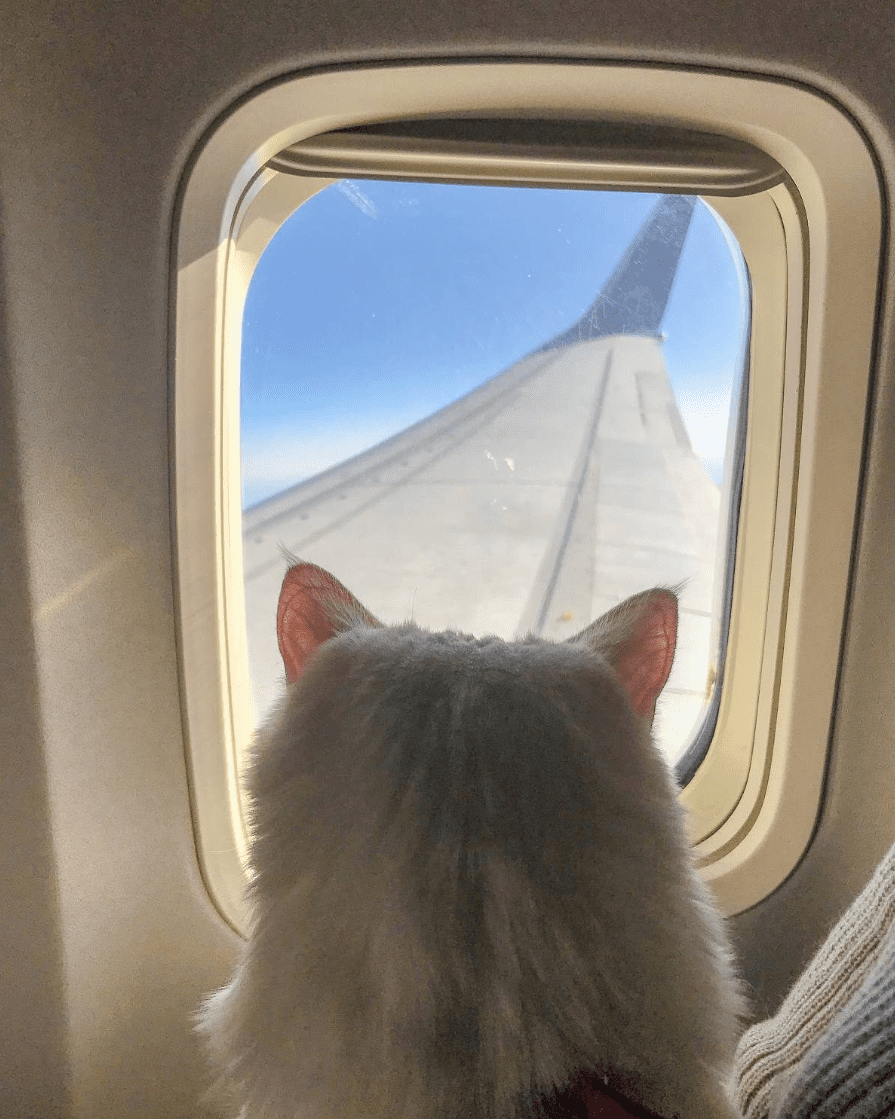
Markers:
(644, 660)
(303, 623)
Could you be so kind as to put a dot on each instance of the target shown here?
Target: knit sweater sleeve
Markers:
(770, 1056)
(849, 1073)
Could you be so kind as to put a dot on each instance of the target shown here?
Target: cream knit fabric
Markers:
(830, 1050)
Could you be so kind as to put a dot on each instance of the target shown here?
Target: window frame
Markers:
(754, 800)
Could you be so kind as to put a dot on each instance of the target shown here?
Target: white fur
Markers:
(472, 882)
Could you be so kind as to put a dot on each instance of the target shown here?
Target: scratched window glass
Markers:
(499, 410)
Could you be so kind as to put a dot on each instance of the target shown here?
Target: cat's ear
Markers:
(638, 638)
(313, 607)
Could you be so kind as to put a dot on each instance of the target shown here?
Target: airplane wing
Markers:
(532, 504)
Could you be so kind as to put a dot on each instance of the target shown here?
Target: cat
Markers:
(472, 893)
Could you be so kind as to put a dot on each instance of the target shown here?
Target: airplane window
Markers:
(497, 409)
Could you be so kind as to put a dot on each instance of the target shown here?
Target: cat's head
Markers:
(637, 637)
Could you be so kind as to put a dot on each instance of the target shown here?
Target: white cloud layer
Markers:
(279, 459)
(706, 415)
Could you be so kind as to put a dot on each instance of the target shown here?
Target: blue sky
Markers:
(378, 302)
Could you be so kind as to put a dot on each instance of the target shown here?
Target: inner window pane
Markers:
(495, 409)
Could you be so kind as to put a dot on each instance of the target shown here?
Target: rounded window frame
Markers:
(754, 800)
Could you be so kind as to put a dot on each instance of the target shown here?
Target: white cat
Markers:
(473, 897)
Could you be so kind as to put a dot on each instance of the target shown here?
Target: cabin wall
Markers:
(107, 938)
